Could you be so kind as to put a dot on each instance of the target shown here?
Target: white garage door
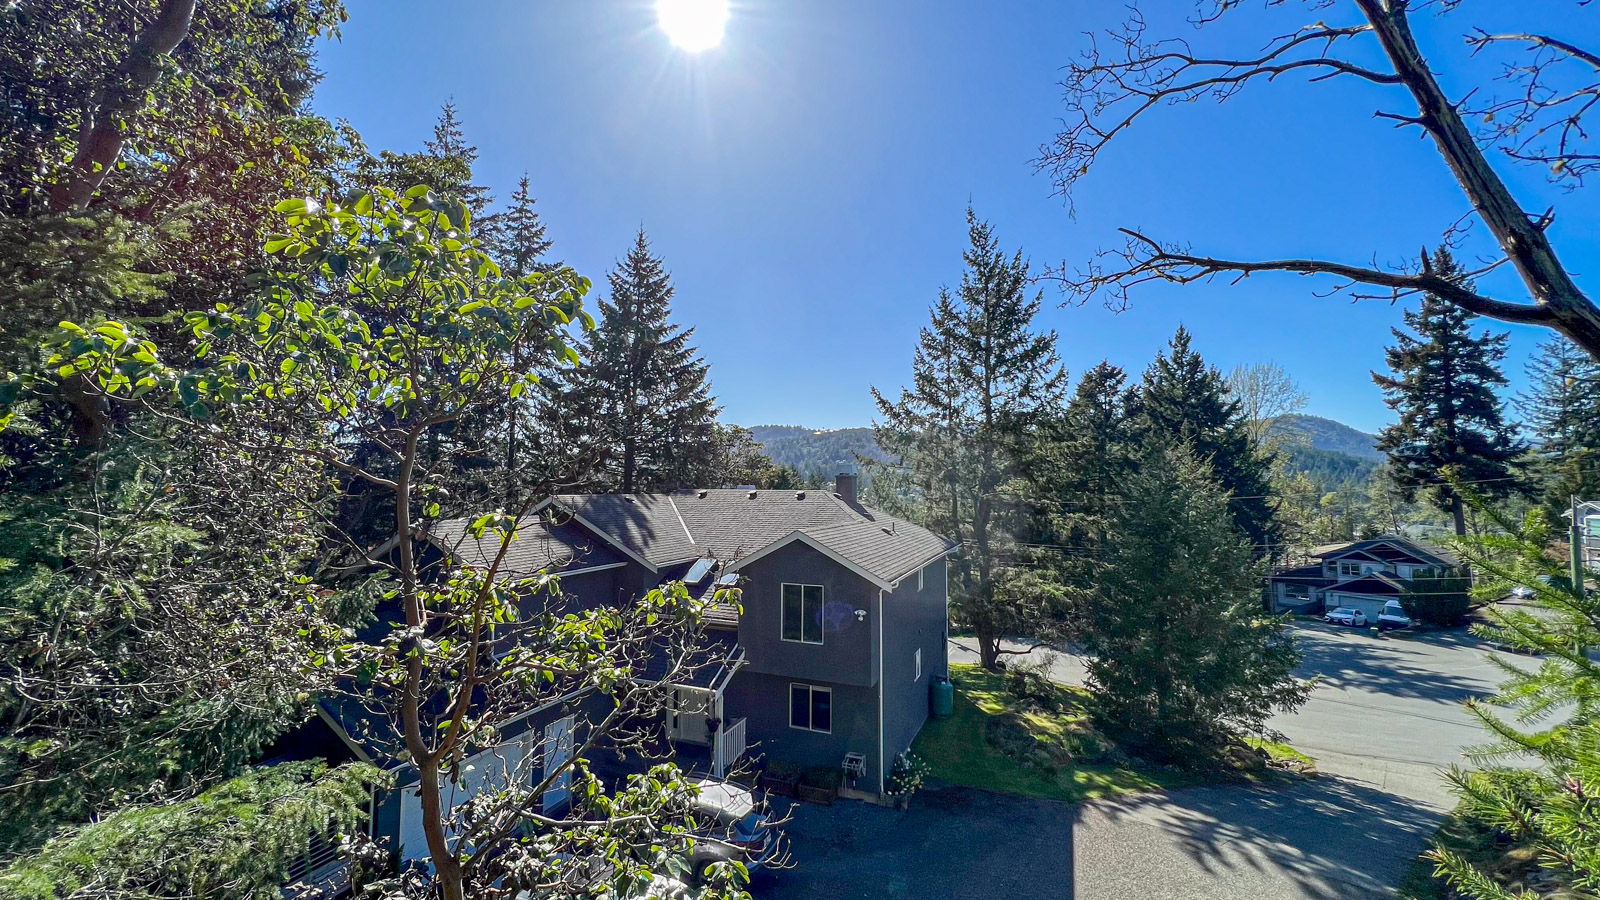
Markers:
(490, 768)
(1372, 606)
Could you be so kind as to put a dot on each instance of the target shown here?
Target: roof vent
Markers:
(799, 495)
(751, 495)
(701, 494)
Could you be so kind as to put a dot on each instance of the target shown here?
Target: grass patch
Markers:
(1051, 750)
(1279, 752)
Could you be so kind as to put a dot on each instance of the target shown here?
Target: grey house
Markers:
(843, 621)
(1362, 575)
(829, 661)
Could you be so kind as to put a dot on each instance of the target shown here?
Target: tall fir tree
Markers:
(1185, 401)
(637, 413)
(1562, 407)
(445, 164)
(1452, 423)
(982, 380)
(1094, 451)
(516, 236)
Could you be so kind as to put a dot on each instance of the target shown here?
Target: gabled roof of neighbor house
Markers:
(538, 545)
(1378, 584)
(1389, 548)
(732, 526)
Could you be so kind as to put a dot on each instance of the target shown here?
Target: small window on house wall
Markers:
(1349, 568)
(810, 708)
(917, 669)
(802, 613)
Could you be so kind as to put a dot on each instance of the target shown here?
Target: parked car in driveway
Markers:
(1344, 615)
(731, 824)
(1393, 616)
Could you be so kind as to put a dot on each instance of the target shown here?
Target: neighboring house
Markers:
(1588, 513)
(1361, 575)
(843, 628)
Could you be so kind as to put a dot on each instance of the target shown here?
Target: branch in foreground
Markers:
(1143, 259)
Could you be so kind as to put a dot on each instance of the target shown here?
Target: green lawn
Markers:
(956, 751)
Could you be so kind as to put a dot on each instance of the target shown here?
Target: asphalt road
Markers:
(1384, 718)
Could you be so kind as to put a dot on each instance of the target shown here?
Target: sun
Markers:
(693, 25)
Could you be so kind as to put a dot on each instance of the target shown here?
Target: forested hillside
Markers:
(1326, 434)
(1329, 453)
(816, 453)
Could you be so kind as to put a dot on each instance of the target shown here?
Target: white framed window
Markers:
(1350, 569)
(802, 613)
(810, 707)
(917, 660)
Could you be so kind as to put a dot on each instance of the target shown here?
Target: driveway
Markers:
(1384, 719)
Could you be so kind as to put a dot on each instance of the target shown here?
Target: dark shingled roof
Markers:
(728, 525)
(536, 546)
(1418, 550)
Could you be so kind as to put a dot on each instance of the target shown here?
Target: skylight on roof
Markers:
(698, 572)
(728, 580)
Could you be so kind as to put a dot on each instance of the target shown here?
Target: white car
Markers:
(1393, 616)
(1344, 615)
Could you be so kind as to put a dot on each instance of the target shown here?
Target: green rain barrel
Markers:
(944, 696)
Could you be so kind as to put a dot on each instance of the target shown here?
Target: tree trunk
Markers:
(100, 135)
(988, 648)
(1522, 239)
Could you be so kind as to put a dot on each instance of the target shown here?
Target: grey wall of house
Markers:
(848, 652)
(912, 620)
(763, 701)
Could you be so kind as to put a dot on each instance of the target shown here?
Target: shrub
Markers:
(1441, 599)
(906, 775)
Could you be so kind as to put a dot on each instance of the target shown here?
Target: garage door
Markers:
(1372, 606)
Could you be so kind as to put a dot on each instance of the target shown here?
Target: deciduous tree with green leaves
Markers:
(381, 322)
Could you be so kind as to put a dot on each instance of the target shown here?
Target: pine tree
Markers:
(444, 165)
(637, 414)
(1185, 401)
(1182, 658)
(1093, 451)
(982, 380)
(1452, 423)
(516, 237)
(1562, 407)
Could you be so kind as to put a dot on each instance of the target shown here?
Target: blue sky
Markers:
(805, 181)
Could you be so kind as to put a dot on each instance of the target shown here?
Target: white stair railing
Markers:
(727, 747)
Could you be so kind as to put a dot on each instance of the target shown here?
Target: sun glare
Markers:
(693, 25)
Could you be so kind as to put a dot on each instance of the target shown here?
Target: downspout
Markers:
(883, 763)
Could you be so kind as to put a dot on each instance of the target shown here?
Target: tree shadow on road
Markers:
(1328, 836)
(1395, 666)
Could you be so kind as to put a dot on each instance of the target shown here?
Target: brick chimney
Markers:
(845, 487)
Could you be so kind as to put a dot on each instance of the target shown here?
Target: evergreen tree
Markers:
(1451, 421)
(636, 414)
(1184, 400)
(1181, 657)
(444, 165)
(516, 236)
(1534, 785)
(1562, 407)
(1095, 451)
(982, 381)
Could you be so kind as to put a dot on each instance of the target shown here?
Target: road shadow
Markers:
(1319, 837)
(953, 842)
(1400, 667)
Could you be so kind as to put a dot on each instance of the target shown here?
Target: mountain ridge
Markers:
(826, 452)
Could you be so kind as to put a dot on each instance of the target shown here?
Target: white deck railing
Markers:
(727, 747)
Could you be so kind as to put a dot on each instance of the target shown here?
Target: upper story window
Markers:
(802, 613)
(1349, 568)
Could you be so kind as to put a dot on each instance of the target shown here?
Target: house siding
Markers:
(849, 651)
(913, 620)
(763, 700)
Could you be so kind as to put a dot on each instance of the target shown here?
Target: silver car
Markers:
(1345, 615)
